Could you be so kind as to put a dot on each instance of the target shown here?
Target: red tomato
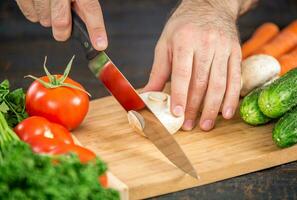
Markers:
(62, 105)
(44, 145)
(35, 126)
(85, 155)
(103, 180)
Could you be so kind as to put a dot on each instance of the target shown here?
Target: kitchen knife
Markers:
(104, 69)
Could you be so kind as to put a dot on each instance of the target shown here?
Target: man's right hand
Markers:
(57, 14)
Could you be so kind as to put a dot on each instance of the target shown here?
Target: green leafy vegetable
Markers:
(7, 136)
(12, 104)
(25, 175)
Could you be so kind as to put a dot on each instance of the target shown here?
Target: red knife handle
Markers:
(106, 71)
(116, 83)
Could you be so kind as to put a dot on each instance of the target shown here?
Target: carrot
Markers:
(282, 43)
(288, 61)
(261, 36)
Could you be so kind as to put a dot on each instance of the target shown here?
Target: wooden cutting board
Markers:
(139, 170)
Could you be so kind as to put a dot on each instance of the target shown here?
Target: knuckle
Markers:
(182, 50)
(91, 6)
(191, 111)
(185, 33)
(238, 55)
(98, 29)
(60, 15)
(210, 35)
(61, 22)
(236, 76)
(203, 61)
(219, 87)
(183, 72)
(30, 15)
(234, 92)
(31, 18)
(200, 84)
(45, 23)
(188, 28)
(179, 95)
(211, 111)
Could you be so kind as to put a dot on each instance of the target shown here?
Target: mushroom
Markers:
(136, 121)
(159, 104)
(258, 70)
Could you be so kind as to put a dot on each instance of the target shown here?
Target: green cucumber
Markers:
(250, 111)
(280, 96)
(285, 130)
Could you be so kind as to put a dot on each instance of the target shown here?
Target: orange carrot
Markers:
(282, 43)
(261, 36)
(288, 61)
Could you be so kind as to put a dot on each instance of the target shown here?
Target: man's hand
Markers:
(200, 49)
(57, 14)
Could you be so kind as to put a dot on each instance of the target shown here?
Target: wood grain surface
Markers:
(133, 28)
(231, 149)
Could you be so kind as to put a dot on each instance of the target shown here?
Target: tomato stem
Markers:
(51, 78)
(54, 81)
(67, 70)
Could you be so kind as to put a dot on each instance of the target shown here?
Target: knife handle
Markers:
(79, 31)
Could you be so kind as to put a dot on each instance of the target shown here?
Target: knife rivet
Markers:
(86, 44)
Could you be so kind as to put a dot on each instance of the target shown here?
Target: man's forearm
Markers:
(234, 8)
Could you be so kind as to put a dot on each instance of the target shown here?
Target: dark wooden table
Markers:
(133, 28)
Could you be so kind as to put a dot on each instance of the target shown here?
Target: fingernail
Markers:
(178, 111)
(188, 125)
(101, 43)
(207, 125)
(229, 113)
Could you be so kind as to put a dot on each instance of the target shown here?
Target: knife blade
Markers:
(116, 83)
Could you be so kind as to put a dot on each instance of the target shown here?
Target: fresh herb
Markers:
(12, 104)
(7, 136)
(25, 175)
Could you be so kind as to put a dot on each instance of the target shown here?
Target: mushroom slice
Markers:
(159, 104)
(136, 121)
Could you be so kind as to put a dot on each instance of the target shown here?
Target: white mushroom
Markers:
(258, 70)
(159, 104)
(136, 121)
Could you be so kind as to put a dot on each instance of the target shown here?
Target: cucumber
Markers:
(280, 96)
(285, 130)
(250, 111)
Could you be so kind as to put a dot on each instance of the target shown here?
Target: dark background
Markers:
(133, 28)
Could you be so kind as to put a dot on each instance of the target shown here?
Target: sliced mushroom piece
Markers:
(136, 121)
(159, 104)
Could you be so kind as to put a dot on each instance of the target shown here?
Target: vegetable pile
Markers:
(271, 66)
(278, 99)
(38, 157)
(26, 175)
(269, 40)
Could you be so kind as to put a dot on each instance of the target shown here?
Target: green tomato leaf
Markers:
(4, 108)
(4, 85)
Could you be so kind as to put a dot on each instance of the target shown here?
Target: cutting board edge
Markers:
(187, 182)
